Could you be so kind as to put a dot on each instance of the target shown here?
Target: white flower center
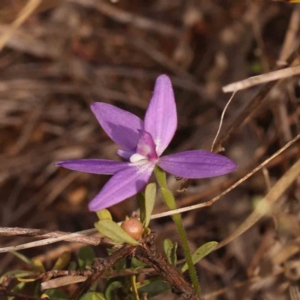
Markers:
(136, 157)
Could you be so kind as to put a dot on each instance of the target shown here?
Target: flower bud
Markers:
(133, 227)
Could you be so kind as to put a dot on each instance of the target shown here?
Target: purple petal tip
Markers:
(163, 77)
(197, 164)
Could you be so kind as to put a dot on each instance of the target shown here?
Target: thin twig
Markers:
(48, 241)
(264, 78)
(42, 234)
(290, 40)
(221, 120)
(23, 16)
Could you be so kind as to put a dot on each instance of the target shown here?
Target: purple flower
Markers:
(142, 144)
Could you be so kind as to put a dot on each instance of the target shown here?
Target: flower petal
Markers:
(125, 153)
(161, 116)
(94, 166)
(121, 126)
(146, 146)
(122, 185)
(196, 164)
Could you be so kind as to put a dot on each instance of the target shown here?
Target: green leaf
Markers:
(113, 231)
(24, 259)
(17, 289)
(200, 253)
(141, 204)
(17, 274)
(62, 261)
(150, 194)
(168, 244)
(153, 287)
(104, 214)
(111, 287)
(86, 256)
(170, 251)
(39, 265)
(27, 279)
(54, 294)
(92, 296)
(136, 264)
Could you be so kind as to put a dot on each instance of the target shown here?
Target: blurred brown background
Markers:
(70, 53)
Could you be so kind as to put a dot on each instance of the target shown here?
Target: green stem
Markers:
(171, 203)
(134, 287)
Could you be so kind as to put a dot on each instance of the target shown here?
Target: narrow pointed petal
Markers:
(93, 166)
(122, 185)
(196, 164)
(161, 115)
(121, 126)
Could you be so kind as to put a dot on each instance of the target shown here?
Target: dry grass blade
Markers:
(62, 281)
(265, 206)
(291, 39)
(221, 121)
(255, 80)
(42, 234)
(23, 16)
(74, 235)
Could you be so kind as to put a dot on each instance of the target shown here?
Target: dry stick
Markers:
(221, 120)
(290, 40)
(264, 78)
(28, 9)
(70, 237)
(169, 273)
(160, 215)
(42, 234)
(62, 281)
